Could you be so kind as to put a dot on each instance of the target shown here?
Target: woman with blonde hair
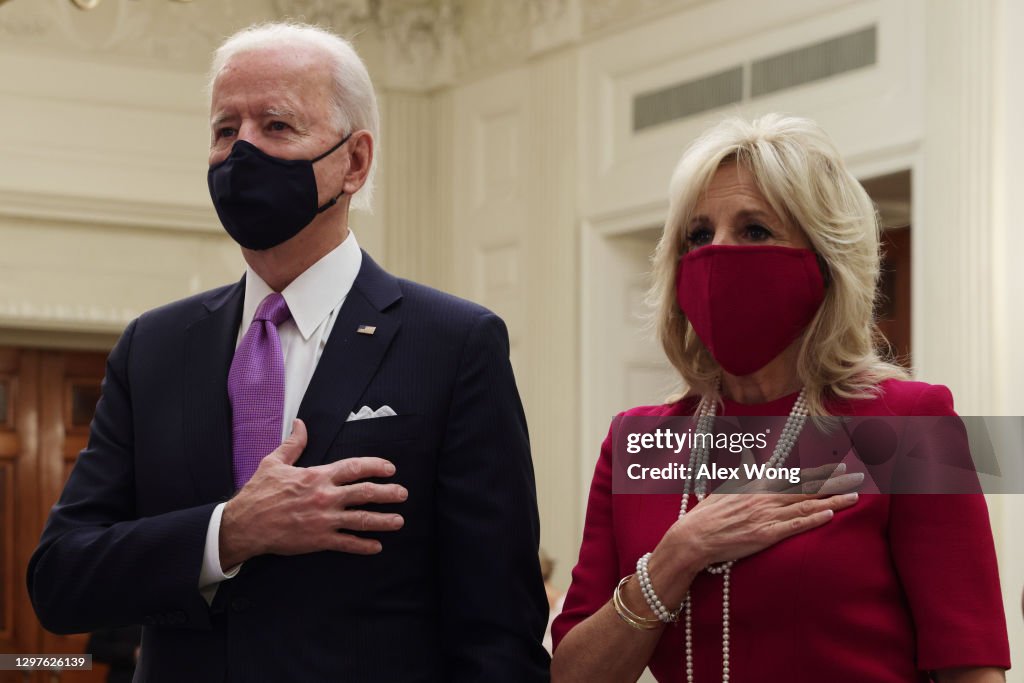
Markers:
(764, 285)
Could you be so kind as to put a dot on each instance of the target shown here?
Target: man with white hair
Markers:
(321, 472)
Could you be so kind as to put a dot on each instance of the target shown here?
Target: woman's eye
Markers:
(699, 237)
(758, 233)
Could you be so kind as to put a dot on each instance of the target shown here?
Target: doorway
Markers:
(47, 401)
(891, 194)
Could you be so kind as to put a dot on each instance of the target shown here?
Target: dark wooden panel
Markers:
(47, 400)
(7, 569)
(69, 389)
(893, 306)
(6, 402)
(19, 512)
(84, 395)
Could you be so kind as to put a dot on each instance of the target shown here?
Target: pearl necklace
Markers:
(699, 456)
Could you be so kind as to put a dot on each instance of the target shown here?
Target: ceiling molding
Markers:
(48, 317)
(102, 211)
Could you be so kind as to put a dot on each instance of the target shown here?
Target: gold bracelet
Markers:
(627, 615)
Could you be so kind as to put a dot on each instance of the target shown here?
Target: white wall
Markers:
(104, 210)
(515, 252)
(1008, 282)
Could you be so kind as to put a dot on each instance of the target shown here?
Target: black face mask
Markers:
(262, 200)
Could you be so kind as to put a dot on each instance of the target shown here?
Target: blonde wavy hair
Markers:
(800, 173)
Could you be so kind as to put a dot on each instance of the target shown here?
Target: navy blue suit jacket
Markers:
(456, 595)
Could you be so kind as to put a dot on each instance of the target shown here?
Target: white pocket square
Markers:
(365, 413)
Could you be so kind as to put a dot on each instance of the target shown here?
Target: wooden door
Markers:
(894, 292)
(19, 501)
(47, 400)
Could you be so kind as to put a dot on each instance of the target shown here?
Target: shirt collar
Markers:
(315, 293)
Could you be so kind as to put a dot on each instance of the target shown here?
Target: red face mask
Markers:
(748, 303)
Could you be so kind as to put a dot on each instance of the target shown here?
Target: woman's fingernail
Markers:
(851, 497)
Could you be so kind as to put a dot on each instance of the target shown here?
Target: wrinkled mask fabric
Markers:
(748, 303)
(263, 200)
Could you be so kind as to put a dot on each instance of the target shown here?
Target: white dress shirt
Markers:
(313, 298)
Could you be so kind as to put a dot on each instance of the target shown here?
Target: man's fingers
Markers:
(347, 543)
(368, 492)
(291, 448)
(364, 520)
(354, 469)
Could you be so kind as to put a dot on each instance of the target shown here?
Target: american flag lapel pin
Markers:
(366, 329)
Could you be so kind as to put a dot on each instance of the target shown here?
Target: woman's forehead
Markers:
(732, 184)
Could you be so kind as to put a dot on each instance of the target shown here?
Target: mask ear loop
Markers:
(338, 196)
(332, 149)
(330, 203)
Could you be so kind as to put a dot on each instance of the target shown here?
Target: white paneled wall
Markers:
(104, 210)
(412, 221)
(1006, 310)
(515, 221)
(868, 112)
(490, 198)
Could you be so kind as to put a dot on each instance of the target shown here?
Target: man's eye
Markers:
(699, 237)
(758, 233)
(278, 126)
(225, 132)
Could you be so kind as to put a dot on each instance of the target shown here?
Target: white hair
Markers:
(355, 103)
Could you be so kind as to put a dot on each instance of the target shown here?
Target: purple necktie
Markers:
(256, 389)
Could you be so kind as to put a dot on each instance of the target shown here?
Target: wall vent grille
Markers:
(815, 62)
(689, 98)
(829, 58)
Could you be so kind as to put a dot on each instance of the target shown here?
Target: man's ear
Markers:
(360, 153)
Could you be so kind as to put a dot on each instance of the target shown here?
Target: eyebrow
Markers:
(269, 112)
(280, 113)
(221, 118)
(758, 214)
(746, 214)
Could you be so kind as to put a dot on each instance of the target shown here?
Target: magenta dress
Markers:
(887, 591)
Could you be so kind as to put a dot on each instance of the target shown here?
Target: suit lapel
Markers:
(209, 348)
(350, 359)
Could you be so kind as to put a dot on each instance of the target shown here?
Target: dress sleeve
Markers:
(595, 575)
(945, 557)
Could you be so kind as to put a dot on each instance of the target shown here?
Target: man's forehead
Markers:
(282, 63)
(270, 80)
